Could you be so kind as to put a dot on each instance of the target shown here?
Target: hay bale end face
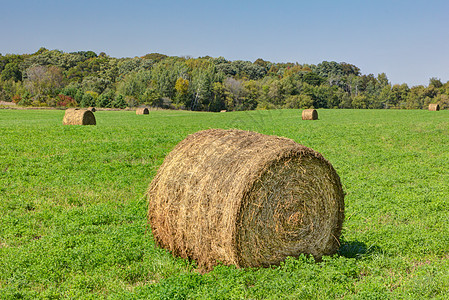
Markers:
(309, 114)
(76, 116)
(245, 199)
(434, 107)
(142, 111)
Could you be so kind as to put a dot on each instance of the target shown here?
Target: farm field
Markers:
(73, 207)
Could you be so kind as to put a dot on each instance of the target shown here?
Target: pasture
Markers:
(73, 208)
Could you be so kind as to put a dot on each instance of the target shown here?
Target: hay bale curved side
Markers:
(142, 111)
(246, 199)
(309, 114)
(75, 116)
(434, 107)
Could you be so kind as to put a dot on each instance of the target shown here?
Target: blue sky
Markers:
(408, 40)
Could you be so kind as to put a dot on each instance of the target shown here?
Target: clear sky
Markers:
(407, 40)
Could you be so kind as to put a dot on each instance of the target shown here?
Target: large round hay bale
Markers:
(142, 111)
(434, 107)
(76, 116)
(309, 114)
(245, 199)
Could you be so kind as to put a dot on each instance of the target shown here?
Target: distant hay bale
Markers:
(223, 110)
(246, 199)
(92, 109)
(142, 111)
(434, 107)
(309, 114)
(76, 116)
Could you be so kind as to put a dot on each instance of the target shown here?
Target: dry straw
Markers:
(245, 199)
(142, 111)
(434, 107)
(309, 114)
(76, 116)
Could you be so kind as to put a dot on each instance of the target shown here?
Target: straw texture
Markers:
(309, 114)
(434, 107)
(75, 116)
(142, 111)
(245, 199)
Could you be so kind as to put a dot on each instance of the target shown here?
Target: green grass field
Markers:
(73, 207)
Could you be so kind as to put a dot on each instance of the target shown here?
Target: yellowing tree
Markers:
(182, 89)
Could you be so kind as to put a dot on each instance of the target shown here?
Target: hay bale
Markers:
(223, 110)
(434, 107)
(309, 114)
(142, 111)
(76, 116)
(92, 109)
(245, 199)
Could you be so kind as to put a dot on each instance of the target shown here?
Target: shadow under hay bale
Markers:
(142, 111)
(76, 116)
(92, 109)
(309, 114)
(434, 107)
(245, 199)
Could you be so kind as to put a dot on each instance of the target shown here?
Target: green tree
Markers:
(251, 94)
(385, 96)
(135, 84)
(105, 99)
(11, 71)
(298, 101)
(246, 69)
(152, 97)
(71, 89)
(96, 84)
(382, 79)
(359, 101)
(349, 69)
(420, 96)
(157, 57)
(128, 65)
(201, 86)
(328, 69)
(312, 78)
(164, 75)
(399, 94)
(218, 101)
(263, 63)
(87, 100)
(119, 102)
(276, 93)
(321, 96)
(436, 82)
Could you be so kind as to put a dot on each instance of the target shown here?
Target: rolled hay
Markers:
(142, 111)
(246, 199)
(76, 116)
(309, 114)
(92, 109)
(434, 107)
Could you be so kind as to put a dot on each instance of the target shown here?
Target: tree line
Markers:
(56, 79)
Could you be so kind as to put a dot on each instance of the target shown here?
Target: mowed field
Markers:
(73, 207)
